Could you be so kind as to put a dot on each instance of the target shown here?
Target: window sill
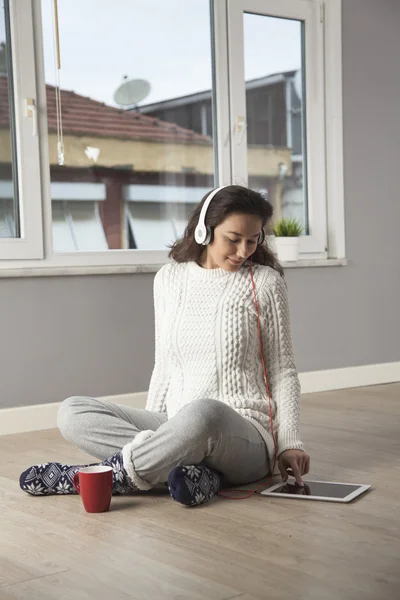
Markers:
(315, 262)
(125, 269)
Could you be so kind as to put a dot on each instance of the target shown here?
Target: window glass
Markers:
(135, 113)
(9, 202)
(275, 101)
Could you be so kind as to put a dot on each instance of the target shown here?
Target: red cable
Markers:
(249, 493)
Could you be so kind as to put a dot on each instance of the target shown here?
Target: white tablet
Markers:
(317, 490)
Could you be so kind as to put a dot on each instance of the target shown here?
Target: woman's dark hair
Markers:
(231, 199)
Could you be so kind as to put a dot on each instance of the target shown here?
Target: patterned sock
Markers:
(54, 478)
(193, 484)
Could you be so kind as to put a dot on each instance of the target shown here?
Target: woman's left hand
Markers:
(294, 462)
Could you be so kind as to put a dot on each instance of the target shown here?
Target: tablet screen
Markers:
(317, 488)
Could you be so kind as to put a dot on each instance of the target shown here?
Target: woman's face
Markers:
(235, 240)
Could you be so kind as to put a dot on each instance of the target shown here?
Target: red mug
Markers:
(94, 485)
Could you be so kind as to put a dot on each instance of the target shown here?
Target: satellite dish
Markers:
(132, 92)
(298, 83)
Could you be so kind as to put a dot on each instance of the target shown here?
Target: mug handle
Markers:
(75, 481)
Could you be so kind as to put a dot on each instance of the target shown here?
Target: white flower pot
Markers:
(287, 248)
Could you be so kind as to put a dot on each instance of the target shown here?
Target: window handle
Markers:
(239, 129)
(31, 112)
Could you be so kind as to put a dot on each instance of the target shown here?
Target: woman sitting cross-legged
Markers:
(207, 419)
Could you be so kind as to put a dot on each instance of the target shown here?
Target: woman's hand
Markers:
(294, 462)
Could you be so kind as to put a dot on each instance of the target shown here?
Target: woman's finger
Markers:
(296, 472)
(282, 469)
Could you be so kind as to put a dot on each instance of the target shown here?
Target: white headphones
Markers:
(202, 233)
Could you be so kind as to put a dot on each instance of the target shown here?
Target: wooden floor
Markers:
(149, 547)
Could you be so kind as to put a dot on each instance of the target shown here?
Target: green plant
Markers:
(287, 228)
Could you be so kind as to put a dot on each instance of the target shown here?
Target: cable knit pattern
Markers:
(207, 346)
(160, 378)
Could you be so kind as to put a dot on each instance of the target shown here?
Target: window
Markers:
(9, 205)
(20, 203)
(129, 118)
(147, 107)
(275, 115)
(277, 101)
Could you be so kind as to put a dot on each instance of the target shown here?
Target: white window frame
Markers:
(30, 243)
(327, 216)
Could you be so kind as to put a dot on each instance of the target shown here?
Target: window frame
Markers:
(30, 83)
(30, 243)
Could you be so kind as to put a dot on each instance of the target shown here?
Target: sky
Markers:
(166, 42)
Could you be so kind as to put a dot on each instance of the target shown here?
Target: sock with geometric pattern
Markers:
(55, 478)
(192, 485)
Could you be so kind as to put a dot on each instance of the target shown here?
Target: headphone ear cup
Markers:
(200, 234)
(261, 237)
(209, 236)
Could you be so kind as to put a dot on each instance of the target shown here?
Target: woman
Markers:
(207, 421)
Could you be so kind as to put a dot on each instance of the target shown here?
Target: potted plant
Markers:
(287, 233)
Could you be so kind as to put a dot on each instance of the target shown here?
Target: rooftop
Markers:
(84, 116)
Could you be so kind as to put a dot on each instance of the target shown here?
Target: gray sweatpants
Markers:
(204, 431)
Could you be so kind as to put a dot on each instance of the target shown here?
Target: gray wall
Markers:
(350, 315)
(65, 336)
(94, 335)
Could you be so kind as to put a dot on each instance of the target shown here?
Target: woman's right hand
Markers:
(294, 462)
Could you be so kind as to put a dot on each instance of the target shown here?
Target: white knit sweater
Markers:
(207, 346)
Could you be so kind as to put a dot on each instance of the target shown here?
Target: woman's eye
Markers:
(252, 242)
